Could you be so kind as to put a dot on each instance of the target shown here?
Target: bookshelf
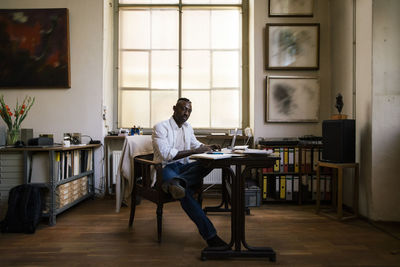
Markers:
(65, 173)
(294, 177)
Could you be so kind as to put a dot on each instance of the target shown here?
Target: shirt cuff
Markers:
(173, 153)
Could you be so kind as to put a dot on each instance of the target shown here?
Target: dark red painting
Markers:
(34, 48)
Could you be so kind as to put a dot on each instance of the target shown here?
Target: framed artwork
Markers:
(291, 8)
(292, 99)
(292, 46)
(34, 48)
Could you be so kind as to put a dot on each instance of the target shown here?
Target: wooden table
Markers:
(236, 185)
(339, 193)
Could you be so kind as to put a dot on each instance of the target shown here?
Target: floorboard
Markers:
(92, 234)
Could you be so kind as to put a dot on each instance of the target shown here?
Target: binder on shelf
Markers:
(265, 185)
(76, 162)
(289, 186)
(309, 186)
(291, 159)
(286, 159)
(303, 160)
(328, 184)
(283, 187)
(322, 187)
(282, 155)
(296, 159)
(295, 187)
(277, 186)
(314, 187)
(277, 162)
(308, 160)
(315, 158)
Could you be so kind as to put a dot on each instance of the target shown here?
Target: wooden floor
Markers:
(92, 234)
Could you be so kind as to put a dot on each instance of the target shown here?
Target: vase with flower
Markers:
(14, 119)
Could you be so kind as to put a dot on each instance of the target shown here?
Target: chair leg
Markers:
(133, 207)
(159, 221)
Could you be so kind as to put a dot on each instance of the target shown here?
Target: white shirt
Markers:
(166, 144)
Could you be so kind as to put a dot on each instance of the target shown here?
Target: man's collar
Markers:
(174, 125)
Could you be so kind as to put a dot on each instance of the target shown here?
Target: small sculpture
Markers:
(339, 102)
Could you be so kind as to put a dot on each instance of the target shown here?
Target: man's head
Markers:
(182, 111)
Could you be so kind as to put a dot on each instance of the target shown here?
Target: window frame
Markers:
(244, 98)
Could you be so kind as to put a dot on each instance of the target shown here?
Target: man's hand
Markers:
(215, 147)
(202, 149)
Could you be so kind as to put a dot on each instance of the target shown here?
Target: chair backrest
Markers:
(144, 169)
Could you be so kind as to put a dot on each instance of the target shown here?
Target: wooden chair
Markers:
(142, 175)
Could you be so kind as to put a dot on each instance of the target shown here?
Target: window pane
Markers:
(196, 29)
(212, 1)
(161, 105)
(200, 117)
(164, 29)
(134, 69)
(196, 70)
(225, 108)
(164, 70)
(225, 29)
(225, 69)
(134, 29)
(135, 108)
(149, 1)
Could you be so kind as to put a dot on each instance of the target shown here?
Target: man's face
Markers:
(182, 111)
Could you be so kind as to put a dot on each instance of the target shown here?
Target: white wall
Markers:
(377, 102)
(259, 18)
(386, 109)
(78, 109)
(342, 72)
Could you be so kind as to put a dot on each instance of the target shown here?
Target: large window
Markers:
(188, 48)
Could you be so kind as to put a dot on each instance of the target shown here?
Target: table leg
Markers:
(318, 188)
(356, 170)
(238, 227)
(224, 197)
(334, 189)
(340, 194)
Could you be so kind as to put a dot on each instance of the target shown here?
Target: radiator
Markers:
(214, 177)
(116, 156)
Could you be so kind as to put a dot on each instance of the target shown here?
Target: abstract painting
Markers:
(291, 8)
(292, 46)
(34, 48)
(292, 99)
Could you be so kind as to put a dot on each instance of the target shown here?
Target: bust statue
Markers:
(339, 102)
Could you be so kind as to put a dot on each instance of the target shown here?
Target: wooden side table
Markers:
(339, 167)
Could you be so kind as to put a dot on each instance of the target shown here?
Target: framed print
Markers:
(292, 99)
(292, 46)
(34, 48)
(291, 8)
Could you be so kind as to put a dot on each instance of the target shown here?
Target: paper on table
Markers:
(210, 156)
(253, 151)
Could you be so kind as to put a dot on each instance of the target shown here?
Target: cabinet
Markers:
(294, 176)
(68, 175)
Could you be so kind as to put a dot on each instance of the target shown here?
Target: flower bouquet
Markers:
(20, 112)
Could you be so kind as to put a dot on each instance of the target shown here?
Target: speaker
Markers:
(338, 141)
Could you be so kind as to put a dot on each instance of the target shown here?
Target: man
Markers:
(173, 143)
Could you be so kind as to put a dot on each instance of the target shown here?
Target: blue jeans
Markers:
(191, 174)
